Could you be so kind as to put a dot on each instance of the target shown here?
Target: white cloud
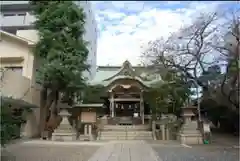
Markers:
(131, 24)
(129, 5)
(173, 2)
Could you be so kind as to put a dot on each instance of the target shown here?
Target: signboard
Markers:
(135, 114)
(88, 117)
(206, 128)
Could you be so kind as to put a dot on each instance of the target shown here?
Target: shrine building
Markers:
(123, 94)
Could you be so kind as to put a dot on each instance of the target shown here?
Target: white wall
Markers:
(90, 35)
(28, 34)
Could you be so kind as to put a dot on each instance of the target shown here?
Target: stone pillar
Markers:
(64, 132)
(22, 131)
(167, 133)
(113, 110)
(162, 126)
(154, 129)
(112, 105)
(90, 131)
(142, 107)
(85, 129)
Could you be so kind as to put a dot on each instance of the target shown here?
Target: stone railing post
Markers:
(29, 129)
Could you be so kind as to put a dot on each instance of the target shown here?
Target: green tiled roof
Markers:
(104, 73)
(101, 75)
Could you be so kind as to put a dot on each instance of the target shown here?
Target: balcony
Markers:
(13, 2)
(18, 21)
(17, 87)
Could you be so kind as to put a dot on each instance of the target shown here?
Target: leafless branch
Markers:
(195, 48)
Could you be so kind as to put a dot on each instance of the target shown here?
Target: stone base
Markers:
(64, 136)
(86, 138)
(190, 139)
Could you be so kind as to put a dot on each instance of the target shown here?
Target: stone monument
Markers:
(189, 133)
(64, 132)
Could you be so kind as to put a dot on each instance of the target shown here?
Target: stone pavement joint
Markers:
(50, 142)
(125, 151)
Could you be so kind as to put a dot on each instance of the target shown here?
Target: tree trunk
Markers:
(53, 120)
(43, 111)
(46, 102)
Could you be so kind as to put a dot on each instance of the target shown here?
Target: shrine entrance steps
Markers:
(125, 132)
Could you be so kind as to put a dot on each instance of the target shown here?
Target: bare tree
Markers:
(186, 50)
(230, 82)
(196, 48)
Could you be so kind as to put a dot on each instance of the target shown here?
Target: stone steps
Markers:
(125, 127)
(103, 137)
(125, 134)
(84, 138)
(125, 138)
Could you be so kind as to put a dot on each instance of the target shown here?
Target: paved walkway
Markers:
(125, 151)
(225, 139)
(117, 151)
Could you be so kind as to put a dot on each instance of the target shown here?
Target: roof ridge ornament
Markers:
(127, 63)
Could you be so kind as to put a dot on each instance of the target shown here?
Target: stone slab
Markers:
(191, 139)
(64, 136)
(125, 151)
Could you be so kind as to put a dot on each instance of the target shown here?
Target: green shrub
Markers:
(11, 120)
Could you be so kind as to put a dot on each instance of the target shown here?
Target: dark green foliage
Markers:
(93, 94)
(218, 113)
(169, 96)
(216, 108)
(61, 47)
(11, 121)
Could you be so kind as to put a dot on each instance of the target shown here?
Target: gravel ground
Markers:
(223, 148)
(48, 152)
(199, 153)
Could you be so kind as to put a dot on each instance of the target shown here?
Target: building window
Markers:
(8, 14)
(15, 69)
(12, 31)
(21, 14)
(14, 14)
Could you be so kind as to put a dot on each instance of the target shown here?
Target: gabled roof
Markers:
(18, 38)
(126, 70)
(106, 77)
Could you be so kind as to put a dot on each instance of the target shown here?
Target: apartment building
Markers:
(17, 37)
(18, 85)
(16, 17)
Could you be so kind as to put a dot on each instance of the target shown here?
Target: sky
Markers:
(125, 27)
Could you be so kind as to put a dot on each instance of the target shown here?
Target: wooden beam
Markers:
(127, 99)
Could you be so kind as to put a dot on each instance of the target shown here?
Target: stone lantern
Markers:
(189, 133)
(64, 132)
(187, 113)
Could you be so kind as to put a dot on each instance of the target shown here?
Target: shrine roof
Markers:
(107, 74)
